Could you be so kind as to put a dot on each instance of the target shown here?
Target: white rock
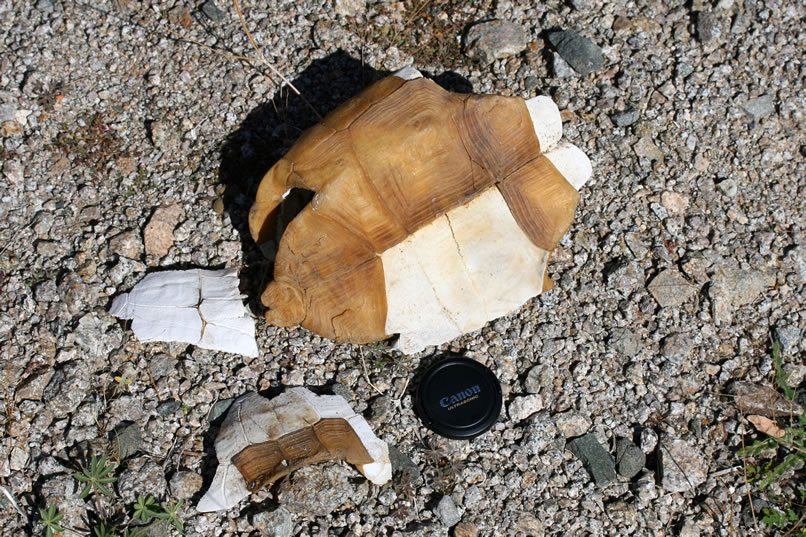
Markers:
(523, 407)
(201, 307)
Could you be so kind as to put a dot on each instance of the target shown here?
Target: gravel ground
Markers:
(686, 256)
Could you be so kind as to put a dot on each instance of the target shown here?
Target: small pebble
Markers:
(625, 118)
(493, 40)
(759, 107)
(582, 54)
(212, 11)
(184, 484)
(446, 512)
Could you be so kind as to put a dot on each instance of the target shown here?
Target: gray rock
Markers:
(91, 335)
(349, 8)
(402, 463)
(625, 118)
(759, 107)
(163, 134)
(582, 5)
(728, 187)
(684, 466)
(45, 6)
(530, 524)
(379, 409)
(277, 523)
(645, 147)
(763, 400)
(788, 336)
(625, 342)
(732, 287)
(708, 26)
(168, 408)
(597, 460)
(531, 83)
(7, 111)
(629, 458)
(127, 244)
(447, 512)
(33, 386)
(162, 365)
(625, 276)
(212, 11)
(659, 210)
(560, 67)
(670, 288)
(493, 40)
(537, 377)
(127, 440)
(636, 243)
(677, 346)
(219, 409)
(580, 52)
(184, 484)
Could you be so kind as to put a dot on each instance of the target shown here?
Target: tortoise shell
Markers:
(434, 213)
(262, 440)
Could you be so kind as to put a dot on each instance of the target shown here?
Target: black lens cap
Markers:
(459, 398)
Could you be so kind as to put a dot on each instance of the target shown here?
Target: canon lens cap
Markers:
(459, 398)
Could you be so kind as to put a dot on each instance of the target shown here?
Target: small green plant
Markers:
(789, 452)
(96, 477)
(443, 469)
(103, 531)
(50, 519)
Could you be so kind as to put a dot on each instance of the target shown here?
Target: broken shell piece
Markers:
(434, 213)
(201, 307)
(262, 440)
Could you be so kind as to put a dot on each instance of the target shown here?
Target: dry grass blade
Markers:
(266, 62)
(13, 502)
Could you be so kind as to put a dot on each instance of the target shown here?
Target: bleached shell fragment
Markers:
(253, 419)
(572, 162)
(408, 73)
(546, 121)
(468, 266)
(200, 307)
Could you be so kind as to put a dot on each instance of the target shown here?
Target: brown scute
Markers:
(341, 441)
(259, 464)
(498, 133)
(285, 303)
(350, 308)
(351, 201)
(315, 143)
(344, 115)
(316, 249)
(269, 195)
(328, 439)
(541, 201)
(408, 145)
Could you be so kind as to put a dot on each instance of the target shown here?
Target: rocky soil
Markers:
(134, 135)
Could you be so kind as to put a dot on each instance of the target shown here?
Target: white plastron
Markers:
(466, 267)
